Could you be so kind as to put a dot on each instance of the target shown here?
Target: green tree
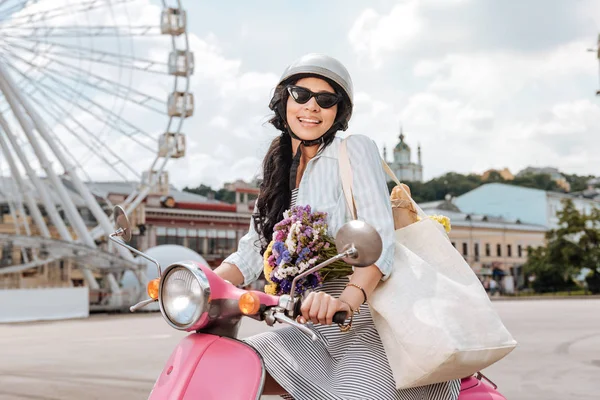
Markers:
(577, 182)
(569, 248)
(549, 276)
(536, 181)
(437, 188)
(222, 194)
(495, 176)
(457, 184)
(202, 190)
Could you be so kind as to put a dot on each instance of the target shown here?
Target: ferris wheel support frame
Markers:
(59, 223)
(15, 99)
(45, 196)
(34, 210)
(15, 207)
(30, 115)
(21, 114)
(83, 190)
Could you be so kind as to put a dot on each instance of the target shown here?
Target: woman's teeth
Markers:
(309, 121)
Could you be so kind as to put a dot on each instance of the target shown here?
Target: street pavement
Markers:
(120, 356)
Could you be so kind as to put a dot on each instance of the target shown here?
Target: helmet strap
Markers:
(294, 168)
(307, 143)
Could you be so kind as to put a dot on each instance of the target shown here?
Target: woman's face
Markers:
(309, 121)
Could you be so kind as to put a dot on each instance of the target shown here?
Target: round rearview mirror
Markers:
(122, 222)
(364, 238)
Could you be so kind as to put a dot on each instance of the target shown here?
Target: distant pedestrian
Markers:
(493, 287)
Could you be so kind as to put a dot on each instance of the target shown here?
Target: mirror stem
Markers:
(351, 252)
(112, 237)
(141, 304)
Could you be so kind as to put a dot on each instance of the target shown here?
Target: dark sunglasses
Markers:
(303, 95)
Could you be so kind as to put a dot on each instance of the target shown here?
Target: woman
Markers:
(312, 102)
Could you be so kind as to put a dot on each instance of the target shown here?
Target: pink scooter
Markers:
(193, 298)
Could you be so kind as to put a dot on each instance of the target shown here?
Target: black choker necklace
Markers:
(308, 143)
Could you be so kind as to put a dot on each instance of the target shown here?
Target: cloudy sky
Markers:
(478, 83)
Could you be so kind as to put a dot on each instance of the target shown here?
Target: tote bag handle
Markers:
(347, 179)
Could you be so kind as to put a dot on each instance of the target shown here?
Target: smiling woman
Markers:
(312, 102)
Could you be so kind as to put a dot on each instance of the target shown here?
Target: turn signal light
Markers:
(249, 303)
(153, 288)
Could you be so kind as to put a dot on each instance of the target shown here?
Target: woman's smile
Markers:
(309, 122)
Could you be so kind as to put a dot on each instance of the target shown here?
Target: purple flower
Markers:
(278, 248)
(303, 255)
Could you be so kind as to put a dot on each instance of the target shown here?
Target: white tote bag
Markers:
(435, 320)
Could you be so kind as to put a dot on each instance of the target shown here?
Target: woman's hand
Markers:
(319, 308)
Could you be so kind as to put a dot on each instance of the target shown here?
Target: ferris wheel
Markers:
(89, 90)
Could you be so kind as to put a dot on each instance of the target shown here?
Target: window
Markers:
(231, 241)
(519, 251)
(454, 244)
(499, 250)
(488, 250)
(212, 241)
(223, 242)
(161, 235)
(509, 250)
(194, 242)
(202, 241)
(476, 249)
(170, 235)
(465, 249)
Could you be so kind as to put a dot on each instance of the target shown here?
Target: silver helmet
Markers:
(321, 65)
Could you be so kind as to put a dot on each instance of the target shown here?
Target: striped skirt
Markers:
(340, 366)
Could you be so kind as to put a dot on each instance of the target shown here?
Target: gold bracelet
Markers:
(361, 289)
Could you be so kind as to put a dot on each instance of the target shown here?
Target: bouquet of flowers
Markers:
(300, 241)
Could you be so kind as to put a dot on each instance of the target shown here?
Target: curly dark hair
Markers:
(275, 194)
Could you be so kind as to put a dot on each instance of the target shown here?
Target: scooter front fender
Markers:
(211, 367)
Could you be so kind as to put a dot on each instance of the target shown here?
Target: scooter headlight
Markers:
(184, 296)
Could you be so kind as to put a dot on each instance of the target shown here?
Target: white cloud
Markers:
(457, 136)
(578, 118)
(219, 121)
(374, 34)
(364, 103)
(251, 86)
(494, 77)
(451, 116)
(379, 36)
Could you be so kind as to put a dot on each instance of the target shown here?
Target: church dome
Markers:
(402, 146)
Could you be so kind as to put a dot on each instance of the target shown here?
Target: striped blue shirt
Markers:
(321, 188)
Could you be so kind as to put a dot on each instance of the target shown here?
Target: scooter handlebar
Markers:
(340, 317)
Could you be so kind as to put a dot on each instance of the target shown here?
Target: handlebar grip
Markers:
(340, 317)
